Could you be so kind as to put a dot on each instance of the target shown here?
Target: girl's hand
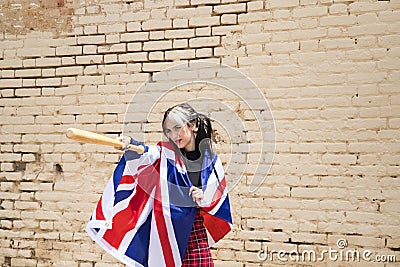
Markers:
(126, 140)
(197, 194)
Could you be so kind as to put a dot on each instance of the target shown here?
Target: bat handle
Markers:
(137, 149)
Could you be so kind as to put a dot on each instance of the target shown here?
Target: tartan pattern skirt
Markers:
(198, 252)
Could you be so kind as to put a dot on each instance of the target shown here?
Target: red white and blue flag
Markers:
(145, 215)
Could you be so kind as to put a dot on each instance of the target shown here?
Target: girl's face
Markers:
(181, 134)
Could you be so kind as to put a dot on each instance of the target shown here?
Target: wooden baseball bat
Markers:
(94, 138)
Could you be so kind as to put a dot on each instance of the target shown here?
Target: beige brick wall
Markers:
(330, 71)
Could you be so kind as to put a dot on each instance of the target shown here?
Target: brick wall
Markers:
(330, 70)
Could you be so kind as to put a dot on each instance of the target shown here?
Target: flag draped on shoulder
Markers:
(145, 214)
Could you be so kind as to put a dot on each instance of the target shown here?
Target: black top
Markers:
(193, 163)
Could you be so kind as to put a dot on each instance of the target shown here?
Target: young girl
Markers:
(192, 172)
(191, 133)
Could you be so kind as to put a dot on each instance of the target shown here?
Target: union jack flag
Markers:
(145, 215)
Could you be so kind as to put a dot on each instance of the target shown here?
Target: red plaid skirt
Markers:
(198, 252)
